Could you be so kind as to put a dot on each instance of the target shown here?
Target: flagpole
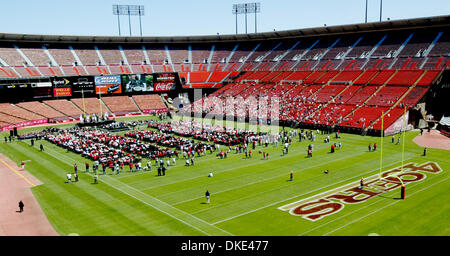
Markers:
(82, 98)
(381, 144)
(100, 101)
(403, 144)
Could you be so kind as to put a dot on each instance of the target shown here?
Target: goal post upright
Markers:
(381, 144)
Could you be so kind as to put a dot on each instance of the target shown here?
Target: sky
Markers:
(199, 17)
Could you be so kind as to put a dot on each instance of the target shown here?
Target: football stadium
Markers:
(338, 130)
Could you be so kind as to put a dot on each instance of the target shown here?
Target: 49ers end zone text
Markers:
(330, 202)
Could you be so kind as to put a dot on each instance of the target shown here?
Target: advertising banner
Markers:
(138, 83)
(165, 81)
(83, 85)
(23, 124)
(61, 87)
(108, 84)
(62, 92)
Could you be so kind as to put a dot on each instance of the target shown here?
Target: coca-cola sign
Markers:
(164, 86)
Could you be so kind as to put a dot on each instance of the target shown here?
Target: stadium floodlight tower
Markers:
(244, 9)
(130, 10)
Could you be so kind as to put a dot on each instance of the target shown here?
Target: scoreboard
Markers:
(17, 89)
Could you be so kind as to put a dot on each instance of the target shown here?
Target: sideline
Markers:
(16, 172)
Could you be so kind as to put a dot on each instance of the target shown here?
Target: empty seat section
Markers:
(366, 77)
(389, 118)
(37, 56)
(363, 117)
(413, 97)
(217, 77)
(64, 106)
(198, 77)
(387, 96)
(87, 55)
(111, 56)
(270, 76)
(347, 94)
(200, 53)
(90, 105)
(314, 76)
(149, 102)
(347, 76)
(202, 85)
(428, 78)
(362, 95)
(405, 77)
(381, 77)
(8, 119)
(41, 109)
(326, 77)
(325, 94)
(9, 109)
(281, 76)
(120, 104)
(258, 75)
(298, 75)
(11, 56)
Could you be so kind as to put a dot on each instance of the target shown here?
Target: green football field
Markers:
(247, 195)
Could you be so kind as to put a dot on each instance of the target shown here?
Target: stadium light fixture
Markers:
(130, 10)
(381, 9)
(366, 11)
(244, 9)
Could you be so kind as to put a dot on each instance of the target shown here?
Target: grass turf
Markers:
(245, 193)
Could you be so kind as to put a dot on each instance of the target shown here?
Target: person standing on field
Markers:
(21, 205)
(207, 194)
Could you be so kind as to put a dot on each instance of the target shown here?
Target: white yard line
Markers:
(251, 183)
(384, 206)
(157, 200)
(290, 198)
(228, 170)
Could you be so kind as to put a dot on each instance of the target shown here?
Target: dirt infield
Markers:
(15, 185)
(432, 139)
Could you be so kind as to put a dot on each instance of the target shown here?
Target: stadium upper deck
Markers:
(408, 44)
